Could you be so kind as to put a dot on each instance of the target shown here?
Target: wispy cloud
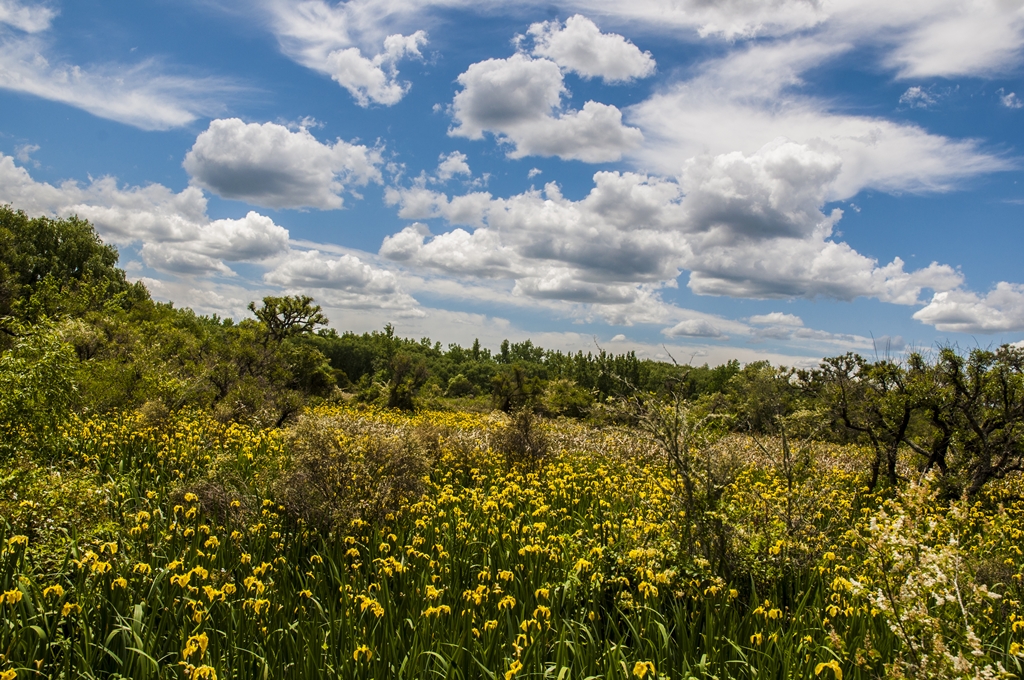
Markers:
(145, 95)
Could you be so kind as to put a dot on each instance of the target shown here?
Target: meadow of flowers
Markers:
(366, 543)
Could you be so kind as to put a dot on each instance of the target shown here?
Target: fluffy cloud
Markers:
(333, 39)
(817, 266)
(272, 166)
(742, 225)
(582, 48)
(420, 203)
(519, 100)
(312, 269)
(457, 252)
(176, 233)
(963, 311)
(453, 164)
(177, 237)
(345, 280)
(774, 192)
(374, 80)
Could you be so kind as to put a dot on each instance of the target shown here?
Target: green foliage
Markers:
(408, 374)
(460, 386)
(50, 267)
(565, 398)
(37, 389)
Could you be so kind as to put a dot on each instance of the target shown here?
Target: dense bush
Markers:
(522, 441)
(344, 469)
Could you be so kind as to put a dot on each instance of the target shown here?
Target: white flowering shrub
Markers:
(918, 572)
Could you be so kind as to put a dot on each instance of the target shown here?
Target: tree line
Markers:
(76, 336)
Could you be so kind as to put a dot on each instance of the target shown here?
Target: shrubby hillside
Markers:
(184, 496)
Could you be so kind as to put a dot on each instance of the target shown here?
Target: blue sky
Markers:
(784, 180)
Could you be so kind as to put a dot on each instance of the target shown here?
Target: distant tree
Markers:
(512, 388)
(408, 374)
(459, 386)
(288, 316)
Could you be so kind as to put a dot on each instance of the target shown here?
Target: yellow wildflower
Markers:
(833, 664)
(642, 668)
(513, 669)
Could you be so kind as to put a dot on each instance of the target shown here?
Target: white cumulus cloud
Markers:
(345, 280)
(451, 165)
(740, 225)
(519, 100)
(272, 166)
(580, 46)
(964, 311)
(374, 80)
(175, 236)
(694, 328)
